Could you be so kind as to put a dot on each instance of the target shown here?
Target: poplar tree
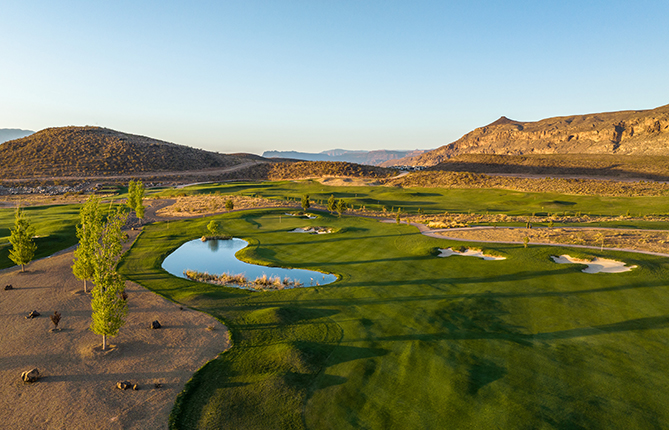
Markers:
(135, 196)
(132, 199)
(139, 196)
(88, 233)
(109, 307)
(341, 207)
(21, 238)
(305, 202)
(332, 204)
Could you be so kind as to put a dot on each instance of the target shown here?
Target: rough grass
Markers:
(408, 340)
(55, 226)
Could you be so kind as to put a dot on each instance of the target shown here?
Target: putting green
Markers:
(406, 339)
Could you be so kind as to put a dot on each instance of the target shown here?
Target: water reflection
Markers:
(218, 257)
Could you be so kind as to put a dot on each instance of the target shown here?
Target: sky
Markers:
(313, 75)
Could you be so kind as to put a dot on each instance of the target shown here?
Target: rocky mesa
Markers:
(641, 132)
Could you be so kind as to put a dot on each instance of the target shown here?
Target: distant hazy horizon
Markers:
(310, 76)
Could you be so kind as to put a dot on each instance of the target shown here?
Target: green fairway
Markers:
(406, 339)
(439, 200)
(54, 226)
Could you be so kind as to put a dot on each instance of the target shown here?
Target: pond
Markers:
(218, 257)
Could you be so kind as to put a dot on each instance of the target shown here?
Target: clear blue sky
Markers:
(313, 75)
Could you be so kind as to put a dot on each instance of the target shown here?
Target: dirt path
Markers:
(77, 389)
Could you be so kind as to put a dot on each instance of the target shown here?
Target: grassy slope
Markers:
(54, 224)
(409, 340)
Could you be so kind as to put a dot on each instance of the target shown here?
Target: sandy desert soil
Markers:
(640, 240)
(77, 387)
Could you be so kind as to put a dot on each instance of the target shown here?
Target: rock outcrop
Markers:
(644, 132)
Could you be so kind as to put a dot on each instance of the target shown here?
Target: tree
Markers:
(139, 196)
(135, 196)
(341, 207)
(229, 205)
(398, 218)
(131, 202)
(526, 241)
(305, 202)
(88, 233)
(109, 308)
(21, 238)
(214, 228)
(332, 204)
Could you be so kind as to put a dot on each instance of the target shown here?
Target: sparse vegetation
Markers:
(261, 283)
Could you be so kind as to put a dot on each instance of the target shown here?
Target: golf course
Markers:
(406, 337)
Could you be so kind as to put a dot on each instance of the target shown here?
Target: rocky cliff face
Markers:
(626, 133)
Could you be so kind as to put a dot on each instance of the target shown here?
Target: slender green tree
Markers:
(341, 207)
(88, 233)
(305, 202)
(109, 307)
(332, 203)
(21, 238)
(135, 196)
(139, 196)
(132, 195)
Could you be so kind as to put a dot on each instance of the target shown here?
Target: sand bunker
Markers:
(312, 230)
(468, 253)
(597, 265)
(308, 216)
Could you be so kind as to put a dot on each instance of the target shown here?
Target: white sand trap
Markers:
(468, 253)
(597, 265)
(312, 230)
(308, 216)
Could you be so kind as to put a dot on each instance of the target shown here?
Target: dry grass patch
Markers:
(642, 240)
(207, 204)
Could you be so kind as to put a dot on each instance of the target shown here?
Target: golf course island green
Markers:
(405, 339)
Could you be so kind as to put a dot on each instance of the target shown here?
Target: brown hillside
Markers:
(82, 151)
(319, 169)
(643, 132)
(627, 167)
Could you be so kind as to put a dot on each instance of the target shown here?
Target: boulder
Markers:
(30, 375)
(135, 387)
(155, 325)
(33, 314)
(8, 287)
(157, 385)
(123, 385)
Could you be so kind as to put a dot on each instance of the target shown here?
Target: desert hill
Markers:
(373, 158)
(81, 151)
(642, 133)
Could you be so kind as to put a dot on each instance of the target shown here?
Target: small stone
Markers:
(155, 325)
(123, 385)
(8, 287)
(33, 314)
(30, 375)
(135, 387)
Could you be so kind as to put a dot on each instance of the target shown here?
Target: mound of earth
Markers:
(85, 151)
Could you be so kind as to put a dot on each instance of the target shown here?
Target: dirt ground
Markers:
(77, 388)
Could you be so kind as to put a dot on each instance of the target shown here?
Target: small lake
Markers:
(218, 257)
